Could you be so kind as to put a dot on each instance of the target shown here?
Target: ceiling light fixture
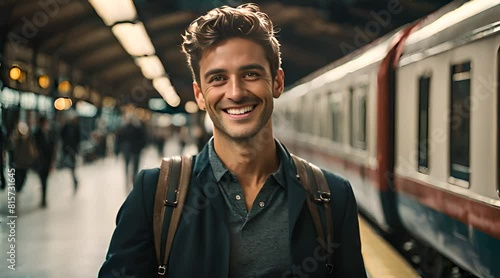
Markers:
(15, 73)
(44, 81)
(134, 38)
(166, 91)
(64, 87)
(151, 66)
(113, 11)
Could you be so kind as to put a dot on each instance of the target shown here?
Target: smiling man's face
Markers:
(237, 88)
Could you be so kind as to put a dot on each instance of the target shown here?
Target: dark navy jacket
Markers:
(201, 247)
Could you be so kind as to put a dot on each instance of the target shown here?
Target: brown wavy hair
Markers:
(245, 21)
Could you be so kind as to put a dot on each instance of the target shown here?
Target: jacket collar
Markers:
(206, 180)
(207, 183)
(296, 192)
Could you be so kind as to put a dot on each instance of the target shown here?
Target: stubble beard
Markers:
(247, 136)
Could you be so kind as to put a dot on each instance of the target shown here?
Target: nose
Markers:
(237, 90)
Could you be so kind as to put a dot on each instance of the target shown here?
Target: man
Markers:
(131, 140)
(45, 143)
(70, 137)
(245, 214)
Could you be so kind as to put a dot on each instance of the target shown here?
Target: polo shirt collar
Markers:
(219, 170)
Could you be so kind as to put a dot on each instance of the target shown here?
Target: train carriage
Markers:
(326, 120)
(447, 119)
(412, 121)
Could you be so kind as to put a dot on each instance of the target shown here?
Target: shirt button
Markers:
(238, 197)
(262, 204)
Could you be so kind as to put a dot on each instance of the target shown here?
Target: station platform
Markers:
(70, 237)
(381, 259)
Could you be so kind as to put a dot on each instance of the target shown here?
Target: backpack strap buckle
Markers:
(321, 197)
(169, 203)
(162, 269)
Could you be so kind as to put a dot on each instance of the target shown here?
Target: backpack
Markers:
(173, 185)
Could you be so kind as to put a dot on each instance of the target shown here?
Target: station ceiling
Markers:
(312, 34)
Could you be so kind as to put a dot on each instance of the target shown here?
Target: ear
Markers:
(279, 83)
(198, 95)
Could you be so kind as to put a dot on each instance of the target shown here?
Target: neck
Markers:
(252, 160)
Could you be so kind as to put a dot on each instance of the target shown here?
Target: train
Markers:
(412, 121)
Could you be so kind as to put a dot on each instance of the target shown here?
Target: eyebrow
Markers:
(243, 68)
(252, 67)
(213, 72)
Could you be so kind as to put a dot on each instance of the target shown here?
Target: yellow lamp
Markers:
(63, 103)
(64, 86)
(15, 73)
(44, 81)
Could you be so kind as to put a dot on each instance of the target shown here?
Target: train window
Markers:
(324, 123)
(316, 109)
(358, 116)
(296, 115)
(308, 123)
(336, 110)
(303, 113)
(460, 122)
(423, 123)
(307, 116)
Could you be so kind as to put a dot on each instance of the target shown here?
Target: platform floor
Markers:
(69, 238)
(381, 259)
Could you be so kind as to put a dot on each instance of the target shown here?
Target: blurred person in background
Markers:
(45, 143)
(25, 153)
(3, 144)
(100, 135)
(130, 140)
(184, 137)
(70, 137)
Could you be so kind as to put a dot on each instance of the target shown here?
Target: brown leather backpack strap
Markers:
(325, 196)
(159, 208)
(171, 191)
(305, 180)
(182, 190)
(314, 182)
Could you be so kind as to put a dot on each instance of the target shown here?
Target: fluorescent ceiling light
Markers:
(166, 91)
(151, 66)
(465, 11)
(174, 101)
(162, 84)
(134, 38)
(112, 11)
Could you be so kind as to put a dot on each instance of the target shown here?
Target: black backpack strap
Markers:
(314, 182)
(171, 191)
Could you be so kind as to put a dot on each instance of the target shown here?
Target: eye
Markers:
(217, 78)
(251, 75)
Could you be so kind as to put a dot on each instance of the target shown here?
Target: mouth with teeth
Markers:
(239, 111)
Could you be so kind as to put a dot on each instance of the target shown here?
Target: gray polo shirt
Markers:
(259, 242)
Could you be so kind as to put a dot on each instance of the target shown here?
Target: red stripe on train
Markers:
(481, 216)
